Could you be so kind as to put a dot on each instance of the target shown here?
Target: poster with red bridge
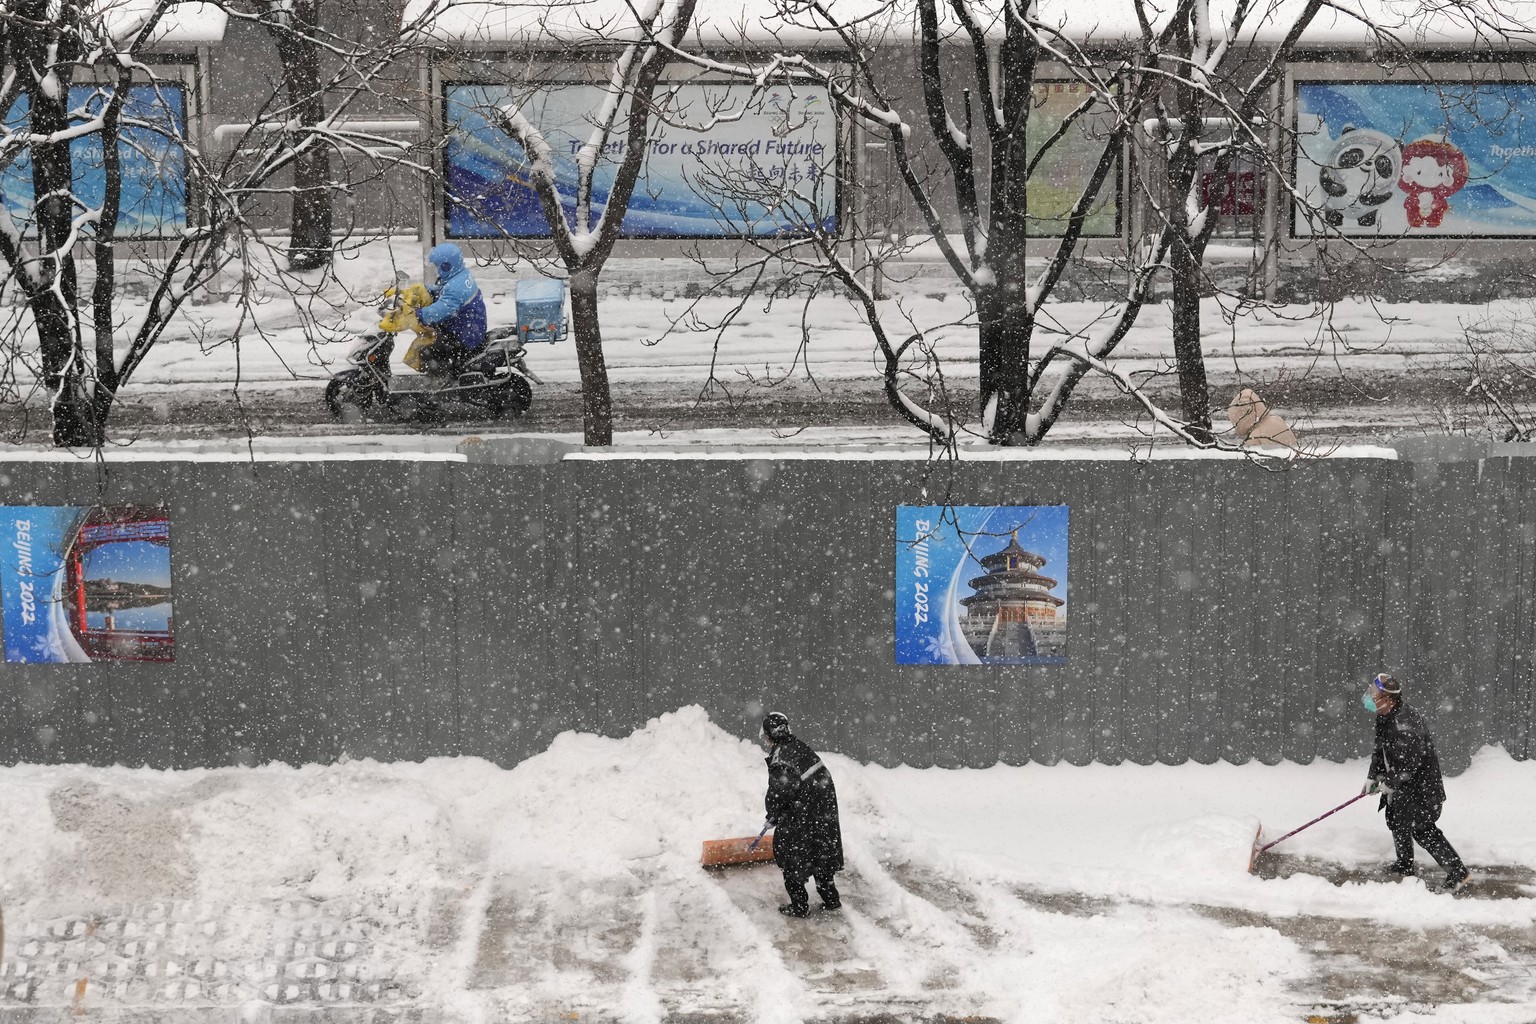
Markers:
(86, 583)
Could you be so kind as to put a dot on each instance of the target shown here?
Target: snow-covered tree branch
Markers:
(85, 99)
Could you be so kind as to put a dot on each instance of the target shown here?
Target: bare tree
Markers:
(991, 174)
(584, 224)
(1214, 101)
(42, 46)
(101, 48)
(1188, 88)
(1498, 372)
(1217, 109)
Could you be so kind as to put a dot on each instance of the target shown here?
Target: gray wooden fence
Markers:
(401, 610)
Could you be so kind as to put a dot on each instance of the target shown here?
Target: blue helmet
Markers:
(447, 257)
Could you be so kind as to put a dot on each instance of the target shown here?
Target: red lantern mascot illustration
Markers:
(1433, 169)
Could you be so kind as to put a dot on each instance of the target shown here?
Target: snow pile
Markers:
(1208, 845)
(570, 883)
(590, 803)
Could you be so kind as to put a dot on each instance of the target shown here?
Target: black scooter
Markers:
(494, 381)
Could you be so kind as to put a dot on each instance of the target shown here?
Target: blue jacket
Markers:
(459, 309)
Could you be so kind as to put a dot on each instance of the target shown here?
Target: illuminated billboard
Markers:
(1406, 159)
(765, 166)
(153, 160)
(1059, 178)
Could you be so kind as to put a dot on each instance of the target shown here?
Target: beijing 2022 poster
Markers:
(84, 584)
(981, 585)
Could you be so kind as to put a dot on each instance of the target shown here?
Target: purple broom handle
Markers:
(1314, 821)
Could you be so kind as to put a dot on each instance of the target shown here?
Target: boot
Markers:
(794, 910)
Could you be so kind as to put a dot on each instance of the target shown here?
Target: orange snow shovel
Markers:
(1253, 855)
(724, 853)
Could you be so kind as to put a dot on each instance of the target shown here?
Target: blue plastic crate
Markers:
(541, 309)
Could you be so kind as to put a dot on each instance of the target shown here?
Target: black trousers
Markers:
(1410, 826)
(826, 888)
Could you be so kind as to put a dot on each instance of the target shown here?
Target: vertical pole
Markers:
(1270, 267)
(202, 88)
(886, 226)
(1132, 207)
(431, 132)
(76, 579)
(856, 211)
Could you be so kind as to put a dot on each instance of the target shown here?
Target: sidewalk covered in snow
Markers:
(568, 888)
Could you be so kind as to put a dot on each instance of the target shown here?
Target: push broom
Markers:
(724, 853)
(1253, 855)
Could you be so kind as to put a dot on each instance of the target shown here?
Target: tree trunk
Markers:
(105, 390)
(311, 222)
(596, 401)
(1003, 336)
(1006, 321)
(1184, 174)
(1194, 393)
(55, 302)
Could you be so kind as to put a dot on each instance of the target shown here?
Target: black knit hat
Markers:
(775, 726)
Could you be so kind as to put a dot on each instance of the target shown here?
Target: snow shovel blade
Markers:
(1253, 852)
(724, 853)
(1253, 856)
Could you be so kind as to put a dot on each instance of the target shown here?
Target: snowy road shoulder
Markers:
(453, 890)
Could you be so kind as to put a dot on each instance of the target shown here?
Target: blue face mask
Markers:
(1369, 702)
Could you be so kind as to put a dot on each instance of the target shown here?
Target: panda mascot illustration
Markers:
(1359, 176)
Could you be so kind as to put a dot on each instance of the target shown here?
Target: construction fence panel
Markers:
(401, 609)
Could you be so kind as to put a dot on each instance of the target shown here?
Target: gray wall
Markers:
(401, 610)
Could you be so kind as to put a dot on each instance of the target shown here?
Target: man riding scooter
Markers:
(457, 313)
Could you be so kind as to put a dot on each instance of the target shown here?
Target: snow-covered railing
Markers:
(393, 134)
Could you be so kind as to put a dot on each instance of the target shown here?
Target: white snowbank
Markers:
(577, 872)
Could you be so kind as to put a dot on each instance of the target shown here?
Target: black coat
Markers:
(1405, 760)
(802, 804)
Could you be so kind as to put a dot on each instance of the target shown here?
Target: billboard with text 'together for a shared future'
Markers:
(729, 163)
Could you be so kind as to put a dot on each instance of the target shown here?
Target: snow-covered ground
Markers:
(569, 888)
(656, 334)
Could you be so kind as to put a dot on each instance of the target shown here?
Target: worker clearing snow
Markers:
(1405, 770)
(802, 808)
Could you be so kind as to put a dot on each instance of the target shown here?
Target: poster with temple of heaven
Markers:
(981, 585)
(86, 583)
